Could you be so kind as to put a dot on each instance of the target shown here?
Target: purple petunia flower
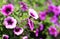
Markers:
(42, 15)
(37, 32)
(23, 6)
(59, 8)
(54, 9)
(30, 24)
(41, 26)
(10, 22)
(7, 9)
(25, 37)
(51, 7)
(53, 31)
(18, 31)
(33, 13)
(5, 37)
(54, 19)
(57, 24)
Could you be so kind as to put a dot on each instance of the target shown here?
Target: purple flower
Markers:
(37, 32)
(25, 37)
(5, 37)
(42, 15)
(33, 13)
(23, 6)
(18, 31)
(54, 19)
(54, 9)
(51, 7)
(30, 24)
(41, 26)
(7, 9)
(57, 24)
(59, 8)
(53, 31)
(10, 22)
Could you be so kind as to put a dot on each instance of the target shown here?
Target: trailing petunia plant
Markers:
(29, 19)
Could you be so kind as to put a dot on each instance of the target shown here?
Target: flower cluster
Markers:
(23, 6)
(10, 22)
(41, 18)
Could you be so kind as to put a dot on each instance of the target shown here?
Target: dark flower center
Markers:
(31, 23)
(5, 37)
(10, 22)
(24, 7)
(53, 30)
(51, 8)
(32, 34)
(58, 16)
(17, 29)
(8, 9)
(32, 14)
(50, 14)
(22, 3)
(43, 15)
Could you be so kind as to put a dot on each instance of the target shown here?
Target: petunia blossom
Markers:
(18, 31)
(51, 7)
(42, 16)
(57, 24)
(7, 9)
(33, 13)
(41, 27)
(59, 8)
(30, 24)
(54, 9)
(5, 37)
(53, 19)
(37, 32)
(10, 22)
(23, 6)
(53, 31)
